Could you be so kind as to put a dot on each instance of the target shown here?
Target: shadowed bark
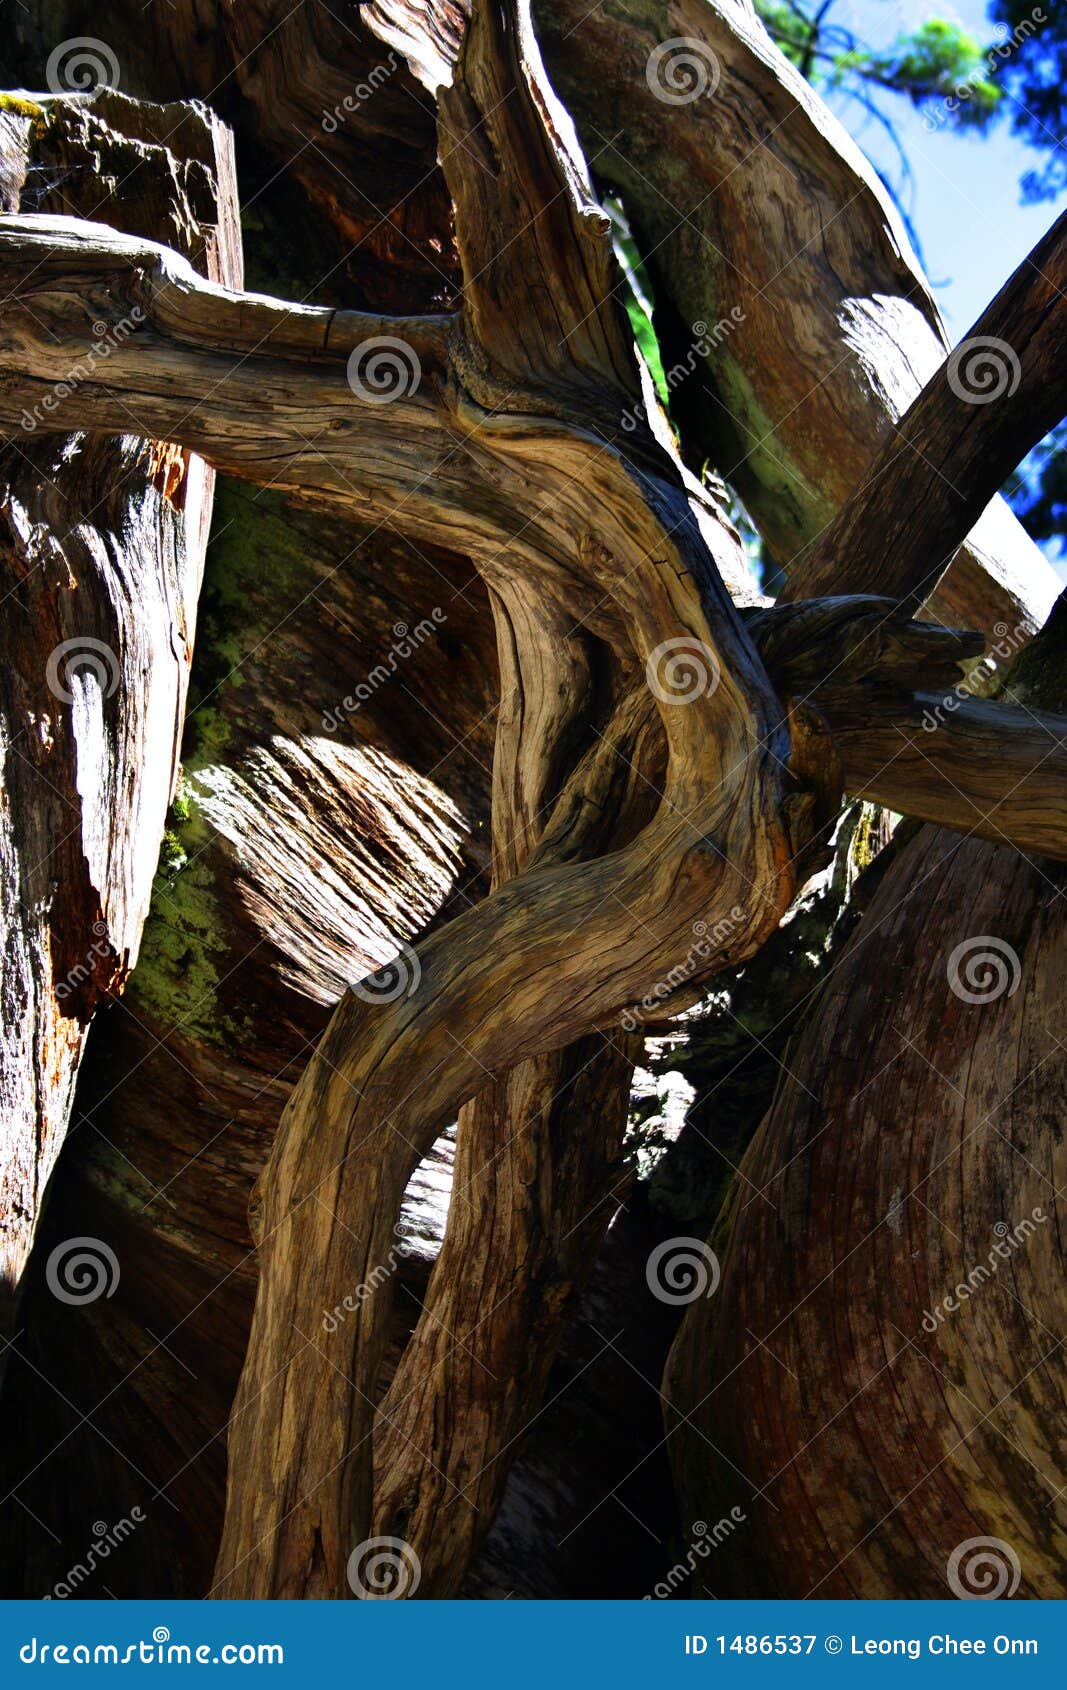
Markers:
(101, 547)
(881, 1360)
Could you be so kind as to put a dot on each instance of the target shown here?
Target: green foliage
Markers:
(1031, 53)
(1019, 74)
(638, 296)
(929, 63)
(794, 33)
(647, 342)
(937, 61)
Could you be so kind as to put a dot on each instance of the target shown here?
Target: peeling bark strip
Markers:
(101, 550)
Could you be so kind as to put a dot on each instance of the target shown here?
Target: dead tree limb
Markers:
(508, 441)
(999, 393)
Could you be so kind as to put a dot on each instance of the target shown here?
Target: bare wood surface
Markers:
(999, 393)
(509, 974)
(505, 425)
(761, 220)
(101, 545)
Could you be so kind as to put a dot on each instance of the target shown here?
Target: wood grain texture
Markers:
(507, 981)
(796, 324)
(902, 1151)
(255, 930)
(102, 544)
(883, 1362)
(510, 446)
(1001, 391)
(336, 139)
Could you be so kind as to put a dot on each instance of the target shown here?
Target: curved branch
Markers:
(536, 1174)
(979, 767)
(995, 397)
(106, 331)
(907, 733)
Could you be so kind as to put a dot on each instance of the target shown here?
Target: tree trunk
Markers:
(882, 1362)
(795, 323)
(102, 551)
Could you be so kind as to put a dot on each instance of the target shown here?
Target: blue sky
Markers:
(966, 207)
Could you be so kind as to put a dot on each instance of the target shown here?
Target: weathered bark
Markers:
(883, 1360)
(298, 1541)
(991, 769)
(1003, 389)
(795, 322)
(985, 769)
(103, 543)
(508, 976)
(537, 1176)
(256, 928)
(386, 476)
(337, 142)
